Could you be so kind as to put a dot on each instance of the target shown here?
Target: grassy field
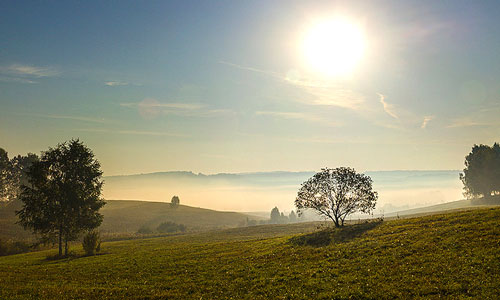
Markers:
(127, 216)
(454, 255)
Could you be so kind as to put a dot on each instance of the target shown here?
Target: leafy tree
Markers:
(337, 193)
(481, 176)
(13, 174)
(275, 215)
(20, 166)
(62, 198)
(5, 176)
(174, 203)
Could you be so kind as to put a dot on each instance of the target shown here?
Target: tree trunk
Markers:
(66, 246)
(336, 221)
(60, 241)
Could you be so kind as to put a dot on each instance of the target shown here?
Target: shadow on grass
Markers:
(71, 256)
(338, 235)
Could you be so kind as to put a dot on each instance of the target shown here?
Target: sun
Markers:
(334, 47)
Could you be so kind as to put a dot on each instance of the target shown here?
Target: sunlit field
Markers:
(443, 256)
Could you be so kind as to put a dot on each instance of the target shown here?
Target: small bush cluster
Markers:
(165, 227)
(92, 243)
(170, 227)
(10, 247)
(145, 230)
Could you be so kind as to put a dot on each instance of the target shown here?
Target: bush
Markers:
(10, 247)
(169, 227)
(144, 230)
(92, 243)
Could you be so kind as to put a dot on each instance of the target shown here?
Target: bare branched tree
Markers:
(337, 193)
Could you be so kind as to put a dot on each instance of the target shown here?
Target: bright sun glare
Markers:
(334, 47)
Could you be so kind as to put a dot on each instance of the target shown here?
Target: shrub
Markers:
(92, 243)
(169, 227)
(144, 230)
(10, 247)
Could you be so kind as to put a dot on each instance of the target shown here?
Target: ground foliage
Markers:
(454, 256)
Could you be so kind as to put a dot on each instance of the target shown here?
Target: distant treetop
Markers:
(481, 176)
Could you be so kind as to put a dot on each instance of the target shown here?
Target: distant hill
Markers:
(126, 216)
(261, 191)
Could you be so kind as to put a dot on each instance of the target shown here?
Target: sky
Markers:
(224, 86)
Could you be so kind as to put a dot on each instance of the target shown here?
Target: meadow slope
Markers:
(455, 255)
(127, 216)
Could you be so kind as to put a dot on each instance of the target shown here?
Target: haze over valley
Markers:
(253, 192)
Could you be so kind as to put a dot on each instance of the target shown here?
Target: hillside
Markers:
(129, 216)
(452, 256)
(126, 216)
(453, 205)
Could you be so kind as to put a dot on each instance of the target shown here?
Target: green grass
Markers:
(454, 256)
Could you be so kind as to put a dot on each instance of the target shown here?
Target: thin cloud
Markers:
(25, 73)
(116, 83)
(155, 104)
(320, 93)
(388, 108)
(65, 117)
(344, 98)
(133, 132)
(29, 71)
(269, 73)
(151, 108)
(426, 120)
(17, 79)
(296, 116)
(468, 123)
(484, 117)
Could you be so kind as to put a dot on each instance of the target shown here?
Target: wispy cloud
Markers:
(17, 79)
(485, 116)
(30, 71)
(297, 116)
(266, 72)
(468, 123)
(388, 108)
(132, 132)
(423, 29)
(66, 117)
(332, 96)
(151, 103)
(25, 73)
(319, 92)
(115, 83)
(426, 120)
(151, 108)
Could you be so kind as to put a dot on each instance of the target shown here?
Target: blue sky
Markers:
(221, 86)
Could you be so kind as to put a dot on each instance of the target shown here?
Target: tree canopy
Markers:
(337, 193)
(5, 178)
(481, 176)
(62, 197)
(275, 215)
(13, 174)
(174, 203)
